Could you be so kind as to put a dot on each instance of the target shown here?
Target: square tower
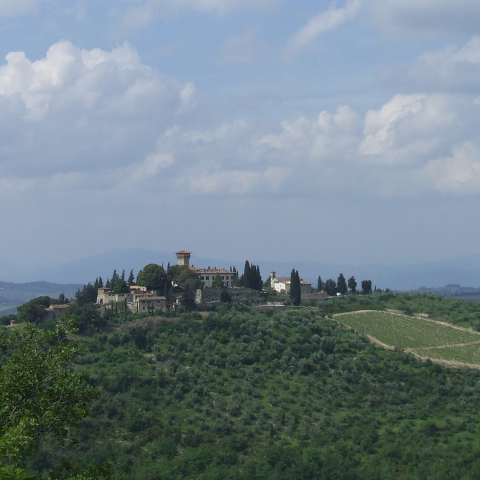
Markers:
(183, 258)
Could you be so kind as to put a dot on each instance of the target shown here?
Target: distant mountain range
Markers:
(463, 270)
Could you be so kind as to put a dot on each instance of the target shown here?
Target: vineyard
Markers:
(421, 336)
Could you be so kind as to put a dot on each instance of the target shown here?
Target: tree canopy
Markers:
(352, 284)
(34, 310)
(153, 277)
(38, 391)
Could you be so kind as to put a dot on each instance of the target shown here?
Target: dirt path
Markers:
(376, 341)
(466, 344)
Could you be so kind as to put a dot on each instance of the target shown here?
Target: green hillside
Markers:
(240, 394)
(427, 338)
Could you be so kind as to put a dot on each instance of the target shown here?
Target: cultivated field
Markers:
(438, 341)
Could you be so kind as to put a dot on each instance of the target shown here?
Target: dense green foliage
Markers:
(34, 310)
(38, 392)
(240, 394)
(153, 277)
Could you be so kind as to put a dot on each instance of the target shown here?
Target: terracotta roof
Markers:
(56, 307)
(149, 299)
(213, 271)
(182, 251)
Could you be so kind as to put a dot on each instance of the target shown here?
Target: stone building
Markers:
(282, 284)
(54, 312)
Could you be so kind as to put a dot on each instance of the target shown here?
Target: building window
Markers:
(201, 278)
(206, 278)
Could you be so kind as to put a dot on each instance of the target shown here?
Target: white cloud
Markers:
(321, 24)
(458, 174)
(412, 145)
(12, 8)
(444, 16)
(450, 69)
(104, 120)
(83, 109)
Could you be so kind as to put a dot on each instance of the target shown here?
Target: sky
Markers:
(339, 132)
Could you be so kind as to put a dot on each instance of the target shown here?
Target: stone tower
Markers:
(183, 258)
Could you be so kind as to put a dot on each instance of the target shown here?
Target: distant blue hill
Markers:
(464, 270)
(14, 294)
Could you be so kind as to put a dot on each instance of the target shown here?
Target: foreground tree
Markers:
(39, 393)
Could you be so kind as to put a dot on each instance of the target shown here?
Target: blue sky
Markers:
(344, 132)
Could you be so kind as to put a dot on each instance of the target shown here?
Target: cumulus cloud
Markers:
(450, 69)
(83, 109)
(321, 24)
(459, 173)
(96, 119)
(442, 16)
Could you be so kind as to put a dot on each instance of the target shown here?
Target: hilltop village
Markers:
(182, 287)
(212, 282)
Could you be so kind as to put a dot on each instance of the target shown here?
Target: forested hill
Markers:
(239, 394)
(14, 294)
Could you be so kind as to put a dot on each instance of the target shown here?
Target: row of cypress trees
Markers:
(251, 277)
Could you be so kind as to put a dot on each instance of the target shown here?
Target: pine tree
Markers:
(320, 284)
(131, 279)
(100, 282)
(113, 280)
(123, 274)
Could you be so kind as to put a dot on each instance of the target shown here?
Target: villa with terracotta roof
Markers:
(207, 275)
(282, 284)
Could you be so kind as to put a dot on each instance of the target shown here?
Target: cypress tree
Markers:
(295, 291)
(247, 283)
(341, 284)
